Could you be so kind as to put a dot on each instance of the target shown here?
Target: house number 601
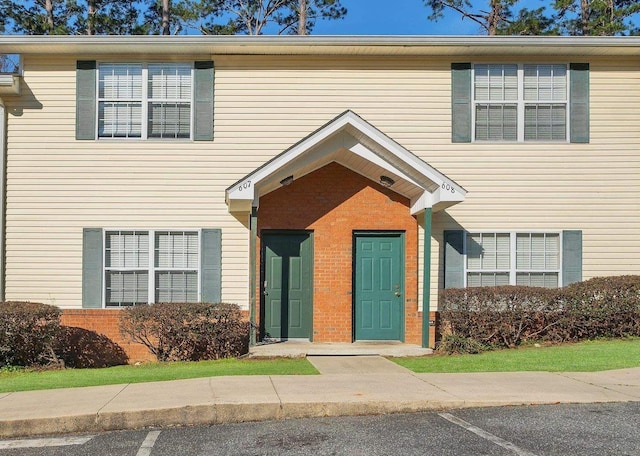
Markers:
(448, 187)
(244, 186)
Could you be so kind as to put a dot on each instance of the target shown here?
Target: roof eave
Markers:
(322, 45)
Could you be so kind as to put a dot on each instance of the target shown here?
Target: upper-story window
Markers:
(520, 102)
(163, 101)
(144, 101)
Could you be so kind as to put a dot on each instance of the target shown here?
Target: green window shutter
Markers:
(454, 259)
(579, 102)
(571, 257)
(203, 108)
(460, 102)
(211, 265)
(86, 99)
(92, 268)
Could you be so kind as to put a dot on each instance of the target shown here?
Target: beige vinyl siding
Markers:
(263, 105)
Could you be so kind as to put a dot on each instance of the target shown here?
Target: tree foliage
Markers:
(109, 17)
(489, 19)
(252, 17)
(40, 17)
(597, 17)
(558, 17)
(164, 17)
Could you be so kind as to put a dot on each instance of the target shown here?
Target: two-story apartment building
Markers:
(330, 186)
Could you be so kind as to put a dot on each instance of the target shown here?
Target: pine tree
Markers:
(490, 20)
(252, 17)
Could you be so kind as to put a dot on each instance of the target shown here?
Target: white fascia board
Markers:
(407, 157)
(246, 188)
(447, 190)
(442, 198)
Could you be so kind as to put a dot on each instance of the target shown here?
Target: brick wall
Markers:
(333, 201)
(105, 322)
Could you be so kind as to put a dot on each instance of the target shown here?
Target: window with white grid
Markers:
(144, 101)
(513, 258)
(520, 102)
(488, 259)
(126, 261)
(176, 262)
(151, 266)
(538, 259)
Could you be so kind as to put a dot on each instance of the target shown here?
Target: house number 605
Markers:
(448, 187)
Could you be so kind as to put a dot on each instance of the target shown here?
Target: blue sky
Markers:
(396, 17)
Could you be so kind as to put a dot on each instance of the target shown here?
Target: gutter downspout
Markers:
(3, 195)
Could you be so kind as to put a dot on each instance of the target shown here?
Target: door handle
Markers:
(397, 293)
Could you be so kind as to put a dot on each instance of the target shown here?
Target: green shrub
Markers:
(453, 344)
(602, 307)
(187, 331)
(507, 316)
(27, 330)
(498, 316)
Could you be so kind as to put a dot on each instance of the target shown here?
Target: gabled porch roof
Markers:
(356, 144)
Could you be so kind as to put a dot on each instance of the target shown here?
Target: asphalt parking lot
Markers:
(586, 429)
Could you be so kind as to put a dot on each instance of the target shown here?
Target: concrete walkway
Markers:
(301, 348)
(348, 386)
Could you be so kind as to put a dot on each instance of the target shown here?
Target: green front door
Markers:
(379, 287)
(287, 285)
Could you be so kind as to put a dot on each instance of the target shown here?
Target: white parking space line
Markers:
(485, 435)
(41, 443)
(149, 442)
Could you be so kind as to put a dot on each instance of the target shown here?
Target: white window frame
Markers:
(151, 268)
(513, 269)
(145, 100)
(520, 103)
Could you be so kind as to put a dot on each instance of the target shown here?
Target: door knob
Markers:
(397, 293)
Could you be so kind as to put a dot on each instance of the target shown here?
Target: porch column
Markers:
(426, 277)
(253, 242)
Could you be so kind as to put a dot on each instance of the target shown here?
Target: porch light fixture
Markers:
(386, 181)
(286, 181)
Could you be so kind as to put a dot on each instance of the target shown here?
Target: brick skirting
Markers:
(105, 322)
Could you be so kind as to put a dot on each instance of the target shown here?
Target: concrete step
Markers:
(299, 349)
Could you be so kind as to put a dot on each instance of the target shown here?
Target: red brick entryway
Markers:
(333, 203)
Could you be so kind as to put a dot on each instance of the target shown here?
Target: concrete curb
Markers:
(228, 413)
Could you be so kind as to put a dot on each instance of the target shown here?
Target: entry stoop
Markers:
(303, 348)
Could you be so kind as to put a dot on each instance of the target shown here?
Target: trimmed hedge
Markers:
(507, 316)
(602, 307)
(27, 331)
(187, 331)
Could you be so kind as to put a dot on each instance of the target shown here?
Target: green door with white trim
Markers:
(379, 287)
(287, 285)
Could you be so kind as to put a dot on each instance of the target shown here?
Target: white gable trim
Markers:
(349, 133)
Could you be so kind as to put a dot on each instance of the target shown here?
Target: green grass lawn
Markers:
(26, 380)
(580, 357)
(587, 356)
